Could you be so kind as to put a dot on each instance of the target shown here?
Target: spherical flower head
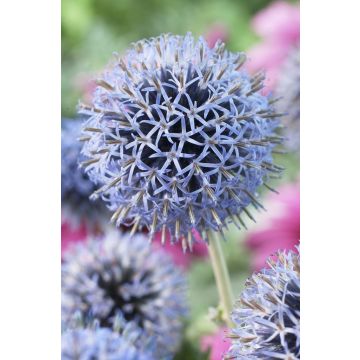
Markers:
(76, 186)
(267, 316)
(179, 136)
(123, 275)
(288, 89)
(83, 338)
(101, 343)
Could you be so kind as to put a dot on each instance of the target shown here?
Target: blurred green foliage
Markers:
(92, 30)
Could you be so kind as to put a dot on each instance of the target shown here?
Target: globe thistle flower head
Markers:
(288, 90)
(179, 136)
(123, 276)
(76, 187)
(100, 343)
(83, 338)
(267, 316)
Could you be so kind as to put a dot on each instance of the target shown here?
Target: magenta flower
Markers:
(176, 252)
(279, 26)
(71, 234)
(278, 228)
(217, 343)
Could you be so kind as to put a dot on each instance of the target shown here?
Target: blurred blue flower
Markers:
(84, 338)
(122, 276)
(101, 343)
(288, 89)
(75, 184)
(179, 136)
(267, 316)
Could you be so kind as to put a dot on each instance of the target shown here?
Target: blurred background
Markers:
(93, 29)
(269, 32)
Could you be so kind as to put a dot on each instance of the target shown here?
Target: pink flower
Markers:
(279, 26)
(71, 234)
(215, 33)
(278, 228)
(180, 258)
(86, 85)
(217, 343)
(269, 57)
(280, 22)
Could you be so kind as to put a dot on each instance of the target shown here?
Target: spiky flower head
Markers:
(76, 187)
(179, 136)
(84, 339)
(267, 316)
(121, 275)
(101, 343)
(288, 89)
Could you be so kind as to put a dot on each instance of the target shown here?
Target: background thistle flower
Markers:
(179, 137)
(289, 90)
(101, 343)
(75, 184)
(124, 276)
(267, 317)
(84, 339)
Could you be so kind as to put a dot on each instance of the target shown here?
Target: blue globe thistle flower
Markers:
(288, 89)
(76, 186)
(179, 136)
(267, 316)
(101, 343)
(121, 275)
(83, 338)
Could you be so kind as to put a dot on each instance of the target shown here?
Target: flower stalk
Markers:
(222, 277)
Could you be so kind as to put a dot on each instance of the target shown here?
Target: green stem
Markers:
(221, 276)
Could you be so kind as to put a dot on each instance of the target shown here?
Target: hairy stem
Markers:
(221, 276)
